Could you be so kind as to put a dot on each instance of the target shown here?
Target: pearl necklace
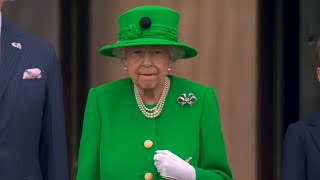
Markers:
(154, 112)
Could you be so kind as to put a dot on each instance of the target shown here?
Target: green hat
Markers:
(147, 26)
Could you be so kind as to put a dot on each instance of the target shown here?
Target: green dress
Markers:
(115, 131)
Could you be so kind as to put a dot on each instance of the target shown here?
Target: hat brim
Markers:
(189, 51)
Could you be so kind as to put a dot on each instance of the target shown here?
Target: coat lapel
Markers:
(315, 131)
(10, 55)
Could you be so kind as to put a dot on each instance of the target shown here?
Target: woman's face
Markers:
(148, 65)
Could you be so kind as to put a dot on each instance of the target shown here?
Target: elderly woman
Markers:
(151, 125)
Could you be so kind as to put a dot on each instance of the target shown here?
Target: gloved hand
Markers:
(171, 167)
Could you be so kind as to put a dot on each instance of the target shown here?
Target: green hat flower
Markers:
(147, 26)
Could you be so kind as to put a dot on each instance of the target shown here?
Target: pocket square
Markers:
(34, 73)
(16, 45)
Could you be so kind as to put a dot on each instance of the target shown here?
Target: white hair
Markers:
(175, 52)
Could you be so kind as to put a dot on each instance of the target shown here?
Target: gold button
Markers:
(148, 176)
(148, 144)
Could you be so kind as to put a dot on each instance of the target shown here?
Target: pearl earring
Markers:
(169, 69)
(125, 68)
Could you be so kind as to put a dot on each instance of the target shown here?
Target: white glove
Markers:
(170, 166)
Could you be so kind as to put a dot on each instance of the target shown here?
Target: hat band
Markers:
(134, 31)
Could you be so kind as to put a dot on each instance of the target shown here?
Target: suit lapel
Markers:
(315, 131)
(10, 56)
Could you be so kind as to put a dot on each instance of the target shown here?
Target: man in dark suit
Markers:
(301, 157)
(32, 125)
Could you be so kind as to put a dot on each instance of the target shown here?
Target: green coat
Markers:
(114, 132)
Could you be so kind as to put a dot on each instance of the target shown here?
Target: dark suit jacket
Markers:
(32, 126)
(301, 158)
